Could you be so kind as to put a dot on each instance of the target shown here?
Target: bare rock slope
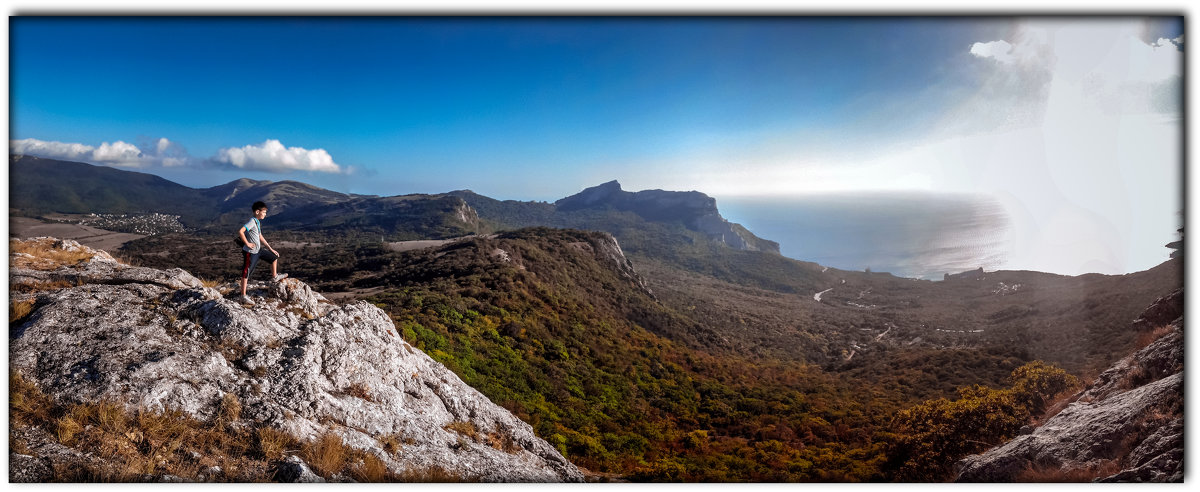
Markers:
(1127, 426)
(155, 340)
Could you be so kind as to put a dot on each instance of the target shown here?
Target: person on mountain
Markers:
(252, 236)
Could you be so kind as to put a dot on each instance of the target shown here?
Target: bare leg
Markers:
(243, 285)
(274, 268)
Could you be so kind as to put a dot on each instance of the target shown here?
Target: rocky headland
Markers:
(86, 328)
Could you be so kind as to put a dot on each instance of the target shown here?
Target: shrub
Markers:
(932, 436)
(1035, 383)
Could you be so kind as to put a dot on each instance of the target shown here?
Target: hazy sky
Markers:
(1073, 123)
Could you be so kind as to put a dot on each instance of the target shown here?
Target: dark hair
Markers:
(258, 206)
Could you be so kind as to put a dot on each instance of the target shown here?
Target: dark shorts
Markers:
(252, 260)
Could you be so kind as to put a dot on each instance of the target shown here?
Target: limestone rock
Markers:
(27, 469)
(1130, 418)
(154, 339)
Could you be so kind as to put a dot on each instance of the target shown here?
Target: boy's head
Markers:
(258, 206)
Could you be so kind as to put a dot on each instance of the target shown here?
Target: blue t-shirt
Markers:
(253, 235)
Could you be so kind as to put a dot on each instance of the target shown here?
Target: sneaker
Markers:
(280, 277)
(245, 299)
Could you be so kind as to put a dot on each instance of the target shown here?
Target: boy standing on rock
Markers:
(252, 236)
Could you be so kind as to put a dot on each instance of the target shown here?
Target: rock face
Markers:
(695, 210)
(1127, 426)
(155, 340)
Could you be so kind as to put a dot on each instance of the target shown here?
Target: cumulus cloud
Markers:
(119, 153)
(272, 156)
(1000, 50)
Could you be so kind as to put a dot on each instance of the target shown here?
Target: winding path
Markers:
(817, 296)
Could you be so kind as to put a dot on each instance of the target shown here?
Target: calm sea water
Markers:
(908, 235)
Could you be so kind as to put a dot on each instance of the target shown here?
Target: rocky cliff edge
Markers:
(154, 340)
(1126, 426)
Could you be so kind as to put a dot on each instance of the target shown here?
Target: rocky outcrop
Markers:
(155, 340)
(695, 210)
(604, 247)
(1126, 426)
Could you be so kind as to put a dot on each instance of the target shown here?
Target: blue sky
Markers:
(430, 105)
(1073, 123)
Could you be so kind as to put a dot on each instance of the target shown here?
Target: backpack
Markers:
(237, 238)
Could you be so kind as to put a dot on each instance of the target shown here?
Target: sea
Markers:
(915, 235)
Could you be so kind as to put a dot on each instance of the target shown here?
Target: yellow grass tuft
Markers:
(45, 256)
(273, 442)
(463, 427)
(371, 469)
(1145, 338)
(27, 403)
(230, 408)
(327, 454)
(43, 286)
(18, 310)
(111, 417)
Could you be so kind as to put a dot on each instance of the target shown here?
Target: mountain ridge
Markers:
(40, 186)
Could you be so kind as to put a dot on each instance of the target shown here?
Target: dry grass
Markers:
(45, 256)
(43, 286)
(503, 442)
(1146, 338)
(392, 443)
(18, 310)
(1076, 475)
(230, 350)
(26, 402)
(463, 427)
(326, 454)
(272, 442)
(371, 469)
(359, 390)
(127, 446)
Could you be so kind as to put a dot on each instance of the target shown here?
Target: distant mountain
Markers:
(653, 220)
(695, 210)
(46, 186)
(38, 186)
(609, 208)
(234, 198)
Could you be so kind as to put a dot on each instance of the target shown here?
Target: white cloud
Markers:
(119, 153)
(272, 156)
(1000, 50)
(55, 150)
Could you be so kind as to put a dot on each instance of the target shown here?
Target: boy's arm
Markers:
(242, 233)
(265, 243)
